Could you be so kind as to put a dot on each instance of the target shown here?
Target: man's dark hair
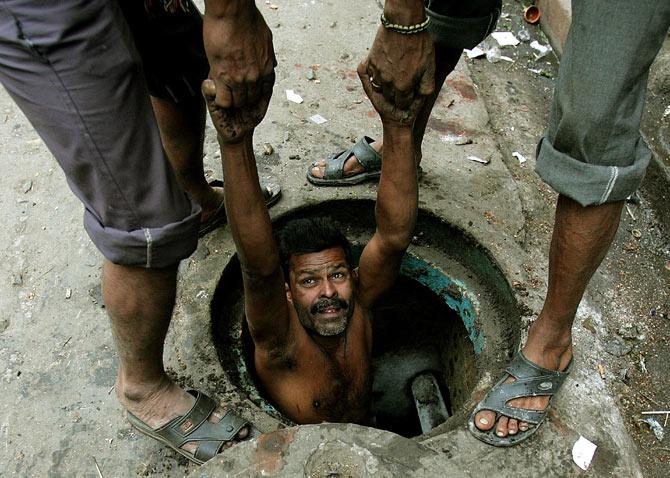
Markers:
(305, 236)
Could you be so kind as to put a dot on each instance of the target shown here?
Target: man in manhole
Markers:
(308, 309)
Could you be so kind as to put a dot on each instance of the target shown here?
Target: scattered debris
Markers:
(636, 233)
(17, 279)
(419, 239)
(624, 375)
(493, 55)
(532, 14)
(643, 364)
(97, 468)
(630, 213)
(293, 96)
(476, 52)
(519, 156)
(523, 35)
(68, 293)
(542, 50)
(588, 325)
(601, 371)
(294, 156)
(311, 75)
(667, 111)
(202, 294)
(457, 139)
(582, 452)
(318, 119)
(655, 427)
(462, 141)
(617, 347)
(490, 218)
(505, 38)
(630, 332)
(268, 149)
(26, 186)
(477, 159)
(274, 7)
(667, 265)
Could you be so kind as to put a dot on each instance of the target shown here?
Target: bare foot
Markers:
(552, 357)
(210, 200)
(163, 403)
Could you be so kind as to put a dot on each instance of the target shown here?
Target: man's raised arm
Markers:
(265, 297)
(239, 49)
(397, 196)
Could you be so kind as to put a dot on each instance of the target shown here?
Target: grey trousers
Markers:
(72, 68)
(592, 150)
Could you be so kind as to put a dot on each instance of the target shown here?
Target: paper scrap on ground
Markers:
(519, 156)
(505, 38)
(582, 452)
(318, 119)
(293, 96)
(479, 160)
(666, 112)
(476, 52)
(540, 49)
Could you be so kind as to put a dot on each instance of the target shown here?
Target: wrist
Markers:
(405, 12)
(397, 132)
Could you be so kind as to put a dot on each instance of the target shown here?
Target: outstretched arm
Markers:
(239, 48)
(264, 294)
(397, 196)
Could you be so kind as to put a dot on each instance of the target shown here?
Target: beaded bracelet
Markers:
(405, 29)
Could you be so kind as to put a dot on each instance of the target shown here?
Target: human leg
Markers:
(72, 71)
(592, 154)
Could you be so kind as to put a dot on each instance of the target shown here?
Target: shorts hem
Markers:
(452, 32)
(590, 184)
(150, 247)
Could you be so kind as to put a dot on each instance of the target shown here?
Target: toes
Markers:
(485, 420)
(502, 428)
(513, 426)
(523, 426)
(243, 433)
(318, 171)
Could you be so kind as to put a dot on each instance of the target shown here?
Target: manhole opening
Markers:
(430, 324)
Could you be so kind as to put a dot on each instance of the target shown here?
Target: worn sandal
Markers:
(531, 381)
(271, 192)
(194, 426)
(366, 155)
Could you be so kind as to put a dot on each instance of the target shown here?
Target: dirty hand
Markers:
(390, 113)
(402, 67)
(239, 48)
(233, 125)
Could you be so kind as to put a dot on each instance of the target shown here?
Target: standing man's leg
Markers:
(593, 155)
(454, 25)
(74, 73)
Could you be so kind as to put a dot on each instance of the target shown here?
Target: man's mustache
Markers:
(324, 304)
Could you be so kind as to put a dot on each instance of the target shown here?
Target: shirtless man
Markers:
(307, 307)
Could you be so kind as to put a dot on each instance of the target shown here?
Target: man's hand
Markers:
(390, 113)
(402, 67)
(234, 124)
(239, 48)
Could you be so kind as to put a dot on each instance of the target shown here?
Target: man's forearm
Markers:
(397, 199)
(246, 211)
(404, 12)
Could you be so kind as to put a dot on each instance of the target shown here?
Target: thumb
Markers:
(362, 71)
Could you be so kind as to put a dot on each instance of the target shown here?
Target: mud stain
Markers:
(465, 89)
(269, 455)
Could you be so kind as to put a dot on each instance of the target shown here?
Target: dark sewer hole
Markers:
(414, 331)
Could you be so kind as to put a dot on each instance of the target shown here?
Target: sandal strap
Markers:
(366, 154)
(531, 380)
(194, 426)
(335, 164)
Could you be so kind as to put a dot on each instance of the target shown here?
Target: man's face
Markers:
(322, 290)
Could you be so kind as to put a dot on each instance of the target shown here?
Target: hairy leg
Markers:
(139, 302)
(582, 236)
(182, 129)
